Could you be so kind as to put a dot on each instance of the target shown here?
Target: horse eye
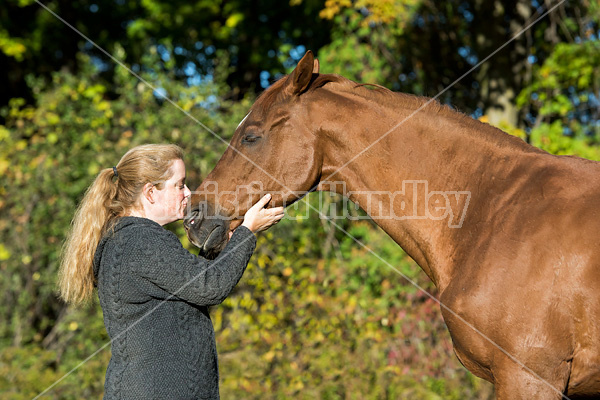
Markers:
(250, 138)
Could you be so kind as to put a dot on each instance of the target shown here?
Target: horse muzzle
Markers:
(206, 229)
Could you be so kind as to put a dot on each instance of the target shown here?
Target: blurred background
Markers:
(316, 315)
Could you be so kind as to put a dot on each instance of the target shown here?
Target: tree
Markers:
(193, 39)
(330, 321)
(431, 44)
(563, 102)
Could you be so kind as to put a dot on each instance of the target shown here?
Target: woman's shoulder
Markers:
(137, 230)
(144, 240)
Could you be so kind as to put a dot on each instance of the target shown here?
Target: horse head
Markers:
(275, 149)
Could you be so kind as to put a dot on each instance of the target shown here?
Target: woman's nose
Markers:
(187, 191)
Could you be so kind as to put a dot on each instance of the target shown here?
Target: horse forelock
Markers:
(266, 99)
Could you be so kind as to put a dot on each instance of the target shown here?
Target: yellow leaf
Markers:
(269, 356)
(4, 133)
(234, 19)
(35, 162)
(52, 118)
(4, 254)
(3, 165)
(93, 169)
(103, 105)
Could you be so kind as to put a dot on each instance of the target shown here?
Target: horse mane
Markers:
(367, 90)
(266, 99)
(389, 98)
(386, 96)
(405, 99)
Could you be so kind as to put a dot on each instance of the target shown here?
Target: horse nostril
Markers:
(193, 218)
(190, 219)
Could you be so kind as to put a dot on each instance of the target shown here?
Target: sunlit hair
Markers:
(104, 201)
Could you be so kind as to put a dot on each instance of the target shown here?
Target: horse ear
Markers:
(298, 81)
(316, 67)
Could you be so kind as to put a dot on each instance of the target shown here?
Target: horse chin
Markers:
(215, 243)
(212, 253)
(207, 230)
(211, 244)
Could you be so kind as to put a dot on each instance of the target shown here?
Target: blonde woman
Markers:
(154, 293)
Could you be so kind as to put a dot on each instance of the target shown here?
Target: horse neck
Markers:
(436, 160)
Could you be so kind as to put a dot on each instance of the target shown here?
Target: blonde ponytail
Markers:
(108, 198)
(76, 275)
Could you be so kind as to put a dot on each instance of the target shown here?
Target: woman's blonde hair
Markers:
(108, 198)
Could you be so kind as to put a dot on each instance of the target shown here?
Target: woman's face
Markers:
(172, 199)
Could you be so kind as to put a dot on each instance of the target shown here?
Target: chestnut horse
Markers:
(516, 272)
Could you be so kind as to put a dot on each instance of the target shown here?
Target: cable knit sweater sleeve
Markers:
(157, 256)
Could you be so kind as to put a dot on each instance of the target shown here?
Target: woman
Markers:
(154, 293)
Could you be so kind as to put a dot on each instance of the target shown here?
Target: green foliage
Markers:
(29, 369)
(398, 12)
(316, 315)
(49, 154)
(563, 97)
(362, 34)
(32, 41)
(344, 326)
(11, 46)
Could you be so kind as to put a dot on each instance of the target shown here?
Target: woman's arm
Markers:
(165, 263)
(159, 258)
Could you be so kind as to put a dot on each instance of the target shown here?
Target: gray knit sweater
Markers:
(155, 296)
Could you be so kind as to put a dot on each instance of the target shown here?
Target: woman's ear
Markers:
(148, 192)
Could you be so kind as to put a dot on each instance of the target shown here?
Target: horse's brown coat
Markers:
(524, 267)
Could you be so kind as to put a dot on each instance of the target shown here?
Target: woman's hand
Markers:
(258, 218)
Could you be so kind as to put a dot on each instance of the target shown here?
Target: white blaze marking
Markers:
(240, 124)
